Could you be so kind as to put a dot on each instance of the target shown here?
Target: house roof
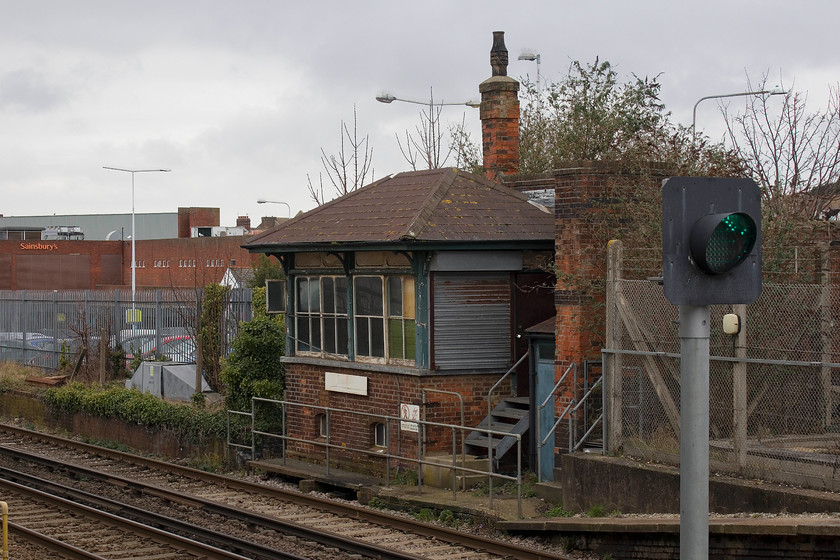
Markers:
(240, 276)
(434, 208)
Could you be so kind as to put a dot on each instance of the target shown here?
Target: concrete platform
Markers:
(754, 538)
(629, 536)
(468, 503)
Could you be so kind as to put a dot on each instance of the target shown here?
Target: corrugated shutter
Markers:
(471, 321)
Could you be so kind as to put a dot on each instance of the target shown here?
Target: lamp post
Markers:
(386, 97)
(133, 260)
(533, 57)
(264, 201)
(778, 90)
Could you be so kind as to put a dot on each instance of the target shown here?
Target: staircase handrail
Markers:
(493, 388)
(572, 368)
(572, 445)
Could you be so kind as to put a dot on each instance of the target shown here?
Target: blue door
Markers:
(544, 366)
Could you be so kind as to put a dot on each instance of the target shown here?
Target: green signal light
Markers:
(720, 242)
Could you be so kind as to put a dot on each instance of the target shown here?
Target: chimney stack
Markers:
(499, 115)
(243, 221)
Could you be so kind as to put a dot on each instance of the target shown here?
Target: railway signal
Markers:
(711, 240)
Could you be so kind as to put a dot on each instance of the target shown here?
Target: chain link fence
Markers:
(774, 388)
(49, 328)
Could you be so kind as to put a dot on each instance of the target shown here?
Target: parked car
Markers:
(24, 352)
(172, 348)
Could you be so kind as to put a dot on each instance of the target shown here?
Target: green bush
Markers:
(253, 368)
(133, 407)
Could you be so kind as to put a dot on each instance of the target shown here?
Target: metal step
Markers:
(510, 416)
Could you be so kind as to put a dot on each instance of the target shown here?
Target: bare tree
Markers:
(792, 154)
(468, 154)
(425, 145)
(349, 169)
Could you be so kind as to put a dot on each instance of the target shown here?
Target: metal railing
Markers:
(327, 443)
(550, 435)
(499, 382)
(42, 328)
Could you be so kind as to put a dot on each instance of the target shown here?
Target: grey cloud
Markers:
(29, 90)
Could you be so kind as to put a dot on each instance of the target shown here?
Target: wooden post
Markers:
(103, 356)
(199, 364)
(739, 391)
(825, 334)
(612, 362)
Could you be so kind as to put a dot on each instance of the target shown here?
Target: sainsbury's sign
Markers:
(39, 246)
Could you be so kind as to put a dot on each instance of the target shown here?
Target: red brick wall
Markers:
(189, 262)
(196, 217)
(583, 192)
(40, 265)
(386, 391)
(500, 126)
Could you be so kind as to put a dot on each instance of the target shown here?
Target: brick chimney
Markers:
(500, 114)
(243, 221)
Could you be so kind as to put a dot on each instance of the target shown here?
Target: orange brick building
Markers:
(33, 264)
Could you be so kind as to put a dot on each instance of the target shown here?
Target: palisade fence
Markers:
(774, 388)
(37, 327)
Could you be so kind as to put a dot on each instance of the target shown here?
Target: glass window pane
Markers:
(362, 337)
(408, 297)
(314, 296)
(410, 344)
(379, 434)
(369, 295)
(329, 334)
(342, 336)
(395, 296)
(329, 294)
(341, 295)
(395, 339)
(377, 337)
(315, 336)
(303, 334)
(303, 294)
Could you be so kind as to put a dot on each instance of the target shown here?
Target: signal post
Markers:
(711, 254)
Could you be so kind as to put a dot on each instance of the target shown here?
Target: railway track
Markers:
(268, 512)
(75, 531)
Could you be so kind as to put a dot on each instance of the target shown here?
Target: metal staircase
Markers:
(510, 416)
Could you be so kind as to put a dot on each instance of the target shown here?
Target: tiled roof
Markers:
(434, 206)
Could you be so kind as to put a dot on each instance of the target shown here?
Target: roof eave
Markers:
(412, 245)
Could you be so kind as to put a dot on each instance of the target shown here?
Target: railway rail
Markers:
(260, 510)
(76, 531)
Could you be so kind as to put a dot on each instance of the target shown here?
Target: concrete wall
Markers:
(631, 487)
(24, 410)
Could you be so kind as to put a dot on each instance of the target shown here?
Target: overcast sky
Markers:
(238, 98)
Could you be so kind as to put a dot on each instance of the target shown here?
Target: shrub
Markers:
(133, 407)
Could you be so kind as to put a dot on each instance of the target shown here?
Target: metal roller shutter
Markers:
(472, 321)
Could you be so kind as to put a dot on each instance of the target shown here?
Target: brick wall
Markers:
(500, 126)
(386, 392)
(196, 217)
(187, 262)
(583, 200)
(59, 265)
(88, 265)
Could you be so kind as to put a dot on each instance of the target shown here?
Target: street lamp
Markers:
(532, 56)
(264, 201)
(386, 97)
(778, 90)
(133, 261)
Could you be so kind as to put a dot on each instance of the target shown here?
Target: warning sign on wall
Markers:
(409, 412)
